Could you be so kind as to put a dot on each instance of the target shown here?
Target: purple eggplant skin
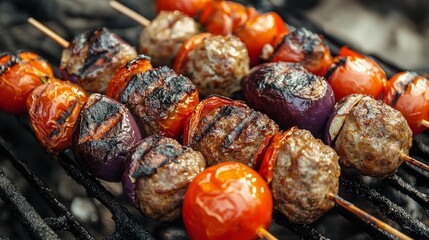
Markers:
(290, 95)
(104, 133)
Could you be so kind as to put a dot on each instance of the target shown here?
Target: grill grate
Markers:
(128, 227)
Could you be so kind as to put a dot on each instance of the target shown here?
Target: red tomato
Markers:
(123, 75)
(53, 109)
(20, 73)
(354, 73)
(260, 30)
(304, 47)
(224, 17)
(270, 157)
(227, 201)
(409, 94)
(188, 7)
(180, 60)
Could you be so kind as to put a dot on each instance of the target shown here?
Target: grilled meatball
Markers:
(290, 95)
(231, 133)
(306, 172)
(92, 58)
(157, 173)
(162, 39)
(217, 65)
(104, 133)
(160, 100)
(369, 135)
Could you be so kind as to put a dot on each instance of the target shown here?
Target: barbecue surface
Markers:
(53, 197)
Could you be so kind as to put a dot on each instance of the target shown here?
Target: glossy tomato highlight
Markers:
(352, 72)
(227, 201)
(409, 93)
(20, 73)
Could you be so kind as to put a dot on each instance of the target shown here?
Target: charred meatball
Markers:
(217, 65)
(162, 39)
(368, 135)
(92, 58)
(157, 173)
(225, 130)
(160, 100)
(306, 173)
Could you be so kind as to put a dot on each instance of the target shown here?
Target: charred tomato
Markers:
(53, 109)
(20, 73)
(352, 72)
(409, 93)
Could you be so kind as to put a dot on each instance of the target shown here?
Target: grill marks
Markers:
(404, 86)
(156, 151)
(232, 133)
(63, 118)
(152, 96)
(7, 60)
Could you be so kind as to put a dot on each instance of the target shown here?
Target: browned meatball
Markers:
(157, 173)
(233, 133)
(154, 96)
(162, 39)
(369, 135)
(306, 172)
(217, 65)
(92, 58)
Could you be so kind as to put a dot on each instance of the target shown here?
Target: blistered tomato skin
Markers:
(122, 76)
(20, 73)
(224, 17)
(409, 93)
(354, 73)
(188, 7)
(227, 201)
(53, 109)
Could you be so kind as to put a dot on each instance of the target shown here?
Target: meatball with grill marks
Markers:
(160, 100)
(225, 130)
(157, 173)
(368, 135)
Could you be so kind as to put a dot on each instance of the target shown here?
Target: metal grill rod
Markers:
(28, 216)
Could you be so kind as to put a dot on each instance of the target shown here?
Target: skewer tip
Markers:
(264, 234)
(53, 35)
(129, 13)
(415, 162)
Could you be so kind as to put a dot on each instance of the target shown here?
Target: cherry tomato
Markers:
(260, 30)
(53, 109)
(224, 17)
(20, 73)
(227, 201)
(354, 73)
(306, 48)
(188, 7)
(267, 166)
(123, 75)
(409, 93)
(180, 60)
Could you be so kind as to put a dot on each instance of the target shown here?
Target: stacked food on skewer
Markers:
(163, 104)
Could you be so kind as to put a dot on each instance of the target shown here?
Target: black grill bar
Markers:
(45, 192)
(126, 225)
(304, 231)
(28, 216)
(58, 223)
(399, 183)
(369, 228)
(412, 226)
